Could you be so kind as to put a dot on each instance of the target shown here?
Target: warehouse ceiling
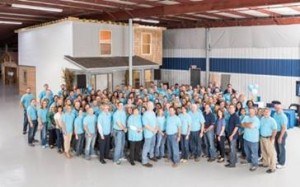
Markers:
(15, 14)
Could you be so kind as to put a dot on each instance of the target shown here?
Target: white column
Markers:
(207, 54)
(130, 50)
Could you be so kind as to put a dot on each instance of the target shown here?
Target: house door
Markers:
(136, 78)
(195, 76)
(10, 75)
(148, 77)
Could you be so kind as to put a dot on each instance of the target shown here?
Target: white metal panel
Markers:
(101, 82)
(186, 53)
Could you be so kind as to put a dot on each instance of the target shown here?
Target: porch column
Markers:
(130, 50)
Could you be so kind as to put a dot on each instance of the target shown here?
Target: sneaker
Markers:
(221, 160)
(102, 162)
(253, 168)
(31, 144)
(244, 162)
(229, 166)
(132, 163)
(148, 165)
(123, 159)
(262, 166)
(24, 132)
(44, 147)
(270, 171)
(278, 166)
(118, 162)
(183, 160)
(153, 159)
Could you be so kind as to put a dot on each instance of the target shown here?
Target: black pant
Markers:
(135, 149)
(32, 131)
(25, 123)
(79, 144)
(104, 147)
(52, 136)
(221, 146)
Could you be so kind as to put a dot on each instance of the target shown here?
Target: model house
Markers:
(96, 51)
(9, 67)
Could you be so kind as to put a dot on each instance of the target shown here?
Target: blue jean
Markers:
(44, 134)
(280, 149)
(32, 131)
(149, 145)
(251, 150)
(89, 145)
(119, 140)
(160, 145)
(209, 139)
(59, 139)
(184, 145)
(173, 148)
(79, 144)
(233, 154)
(25, 123)
(195, 143)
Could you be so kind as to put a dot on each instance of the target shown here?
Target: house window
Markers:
(146, 43)
(25, 76)
(105, 42)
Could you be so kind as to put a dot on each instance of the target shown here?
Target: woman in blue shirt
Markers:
(220, 133)
(67, 121)
(42, 120)
(135, 135)
(79, 132)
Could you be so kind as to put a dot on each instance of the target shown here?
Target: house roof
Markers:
(109, 62)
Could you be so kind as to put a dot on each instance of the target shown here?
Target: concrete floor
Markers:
(21, 165)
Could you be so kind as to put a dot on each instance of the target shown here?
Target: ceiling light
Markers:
(11, 22)
(146, 20)
(121, 2)
(36, 8)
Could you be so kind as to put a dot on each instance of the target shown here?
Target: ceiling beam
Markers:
(196, 7)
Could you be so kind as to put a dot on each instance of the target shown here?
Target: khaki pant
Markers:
(268, 153)
(67, 142)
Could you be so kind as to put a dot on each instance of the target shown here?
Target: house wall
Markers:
(31, 79)
(266, 55)
(44, 48)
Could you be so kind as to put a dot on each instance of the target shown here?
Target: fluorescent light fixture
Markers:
(121, 2)
(36, 8)
(11, 22)
(146, 20)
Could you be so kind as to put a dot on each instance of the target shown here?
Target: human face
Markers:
(120, 106)
(28, 90)
(266, 112)
(231, 109)
(252, 112)
(91, 111)
(136, 112)
(172, 111)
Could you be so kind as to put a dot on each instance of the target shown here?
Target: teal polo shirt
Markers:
(90, 122)
(105, 120)
(134, 122)
(68, 119)
(161, 122)
(252, 134)
(281, 120)
(149, 118)
(42, 114)
(267, 126)
(186, 122)
(26, 100)
(32, 112)
(119, 116)
(78, 123)
(197, 120)
(172, 125)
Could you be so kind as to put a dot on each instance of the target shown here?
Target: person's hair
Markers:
(220, 110)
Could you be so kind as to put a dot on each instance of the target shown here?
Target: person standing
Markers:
(79, 132)
(186, 122)
(67, 121)
(150, 129)
(32, 120)
(135, 135)
(89, 123)
(220, 133)
(25, 103)
(58, 129)
(173, 131)
(268, 131)
(51, 126)
(160, 136)
(233, 127)
(42, 121)
(104, 129)
(280, 140)
(119, 126)
(197, 129)
(251, 124)
(209, 134)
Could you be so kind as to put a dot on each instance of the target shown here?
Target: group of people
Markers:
(178, 123)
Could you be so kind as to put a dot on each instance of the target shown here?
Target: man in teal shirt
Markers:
(104, 129)
(79, 132)
(150, 130)
(89, 123)
(280, 140)
(32, 120)
(173, 131)
(251, 124)
(268, 130)
(25, 102)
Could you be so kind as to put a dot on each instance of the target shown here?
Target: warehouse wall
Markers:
(266, 55)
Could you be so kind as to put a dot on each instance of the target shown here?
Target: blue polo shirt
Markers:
(267, 126)
(281, 119)
(26, 99)
(78, 123)
(197, 120)
(119, 116)
(233, 122)
(161, 122)
(42, 114)
(149, 118)
(105, 120)
(252, 134)
(134, 121)
(172, 125)
(68, 119)
(90, 122)
(32, 112)
(209, 119)
(186, 122)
